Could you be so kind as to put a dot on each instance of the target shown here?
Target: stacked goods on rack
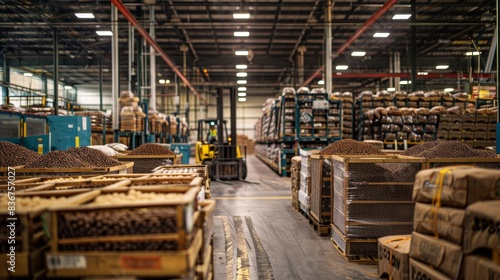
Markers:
(148, 156)
(348, 120)
(156, 121)
(127, 99)
(288, 106)
(151, 232)
(334, 118)
(128, 120)
(295, 180)
(305, 181)
(244, 141)
(305, 113)
(453, 223)
(31, 240)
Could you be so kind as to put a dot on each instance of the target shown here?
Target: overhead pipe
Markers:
(328, 47)
(119, 5)
(452, 75)
(356, 35)
(491, 53)
(152, 62)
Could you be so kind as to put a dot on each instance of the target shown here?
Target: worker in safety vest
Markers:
(212, 134)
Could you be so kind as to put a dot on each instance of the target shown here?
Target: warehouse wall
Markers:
(247, 112)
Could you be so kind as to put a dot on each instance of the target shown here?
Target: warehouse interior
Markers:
(245, 139)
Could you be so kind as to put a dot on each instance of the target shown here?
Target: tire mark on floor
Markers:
(229, 248)
(264, 268)
(243, 262)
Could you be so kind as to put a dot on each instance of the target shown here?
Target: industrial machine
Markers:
(216, 148)
(36, 133)
(11, 124)
(69, 131)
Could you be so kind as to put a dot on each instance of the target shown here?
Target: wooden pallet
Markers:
(348, 254)
(321, 229)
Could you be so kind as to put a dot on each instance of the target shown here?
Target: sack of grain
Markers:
(393, 256)
(482, 226)
(445, 222)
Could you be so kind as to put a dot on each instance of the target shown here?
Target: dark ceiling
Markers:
(443, 31)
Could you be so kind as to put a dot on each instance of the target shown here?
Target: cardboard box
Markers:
(461, 185)
(482, 226)
(442, 255)
(445, 222)
(296, 162)
(421, 271)
(393, 256)
(477, 267)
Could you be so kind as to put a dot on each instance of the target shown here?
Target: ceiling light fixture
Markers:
(449, 89)
(422, 73)
(84, 15)
(241, 66)
(321, 82)
(341, 67)
(442, 67)
(241, 74)
(241, 52)
(405, 82)
(241, 34)
(28, 74)
(241, 15)
(472, 53)
(242, 94)
(68, 87)
(241, 82)
(242, 89)
(167, 81)
(242, 99)
(104, 33)
(162, 81)
(381, 35)
(401, 16)
(358, 53)
(391, 89)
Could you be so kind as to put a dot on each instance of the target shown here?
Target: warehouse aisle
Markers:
(259, 235)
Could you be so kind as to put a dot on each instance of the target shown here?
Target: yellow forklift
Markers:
(219, 150)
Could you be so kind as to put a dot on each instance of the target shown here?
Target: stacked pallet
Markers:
(249, 144)
(454, 235)
(371, 199)
(295, 180)
(287, 102)
(305, 181)
(348, 121)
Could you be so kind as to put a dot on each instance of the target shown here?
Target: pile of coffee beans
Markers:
(152, 149)
(351, 147)
(13, 155)
(93, 157)
(57, 159)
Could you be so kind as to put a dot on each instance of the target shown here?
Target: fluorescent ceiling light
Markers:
(104, 33)
(162, 81)
(442, 67)
(358, 53)
(242, 99)
(241, 34)
(68, 87)
(167, 81)
(242, 89)
(449, 89)
(381, 34)
(404, 82)
(84, 15)
(241, 82)
(341, 67)
(472, 53)
(391, 89)
(28, 74)
(401, 16)
(241, 66)
(241, 74)
(422, 73)
(242, 94)
(241, 52)
(321, 82)
(241, 15)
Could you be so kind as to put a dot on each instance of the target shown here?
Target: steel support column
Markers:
(232, 100)
(130, 56)
(413, 47)
(6, 78)
(56, 71)
(152, 61)
(115, 78)
(100, 85)
(220, 116)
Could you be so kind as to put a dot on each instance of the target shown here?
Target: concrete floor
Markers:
(259, 235)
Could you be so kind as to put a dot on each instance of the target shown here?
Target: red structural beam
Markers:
(358, 33)
(119, 5)
(341, 75)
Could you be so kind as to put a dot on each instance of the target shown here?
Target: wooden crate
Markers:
(184, 240)
(31, 235)
(372, 195)
(206, 224)
(205, 268)
(73, 185)
(201, 170)
(321, 181)
(478, 162)
(57, 172)
(146, 163)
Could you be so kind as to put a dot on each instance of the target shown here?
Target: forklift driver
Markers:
(212, 134)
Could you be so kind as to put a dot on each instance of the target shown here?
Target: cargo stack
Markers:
(305, 182)
(454, 235)
(295, 180)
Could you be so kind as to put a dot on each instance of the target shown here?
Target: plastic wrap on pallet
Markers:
(353, 248)
(461, 185)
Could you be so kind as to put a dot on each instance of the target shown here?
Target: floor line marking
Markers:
(243, 268)
(252, 198)
(264, 268)
(229, 248)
